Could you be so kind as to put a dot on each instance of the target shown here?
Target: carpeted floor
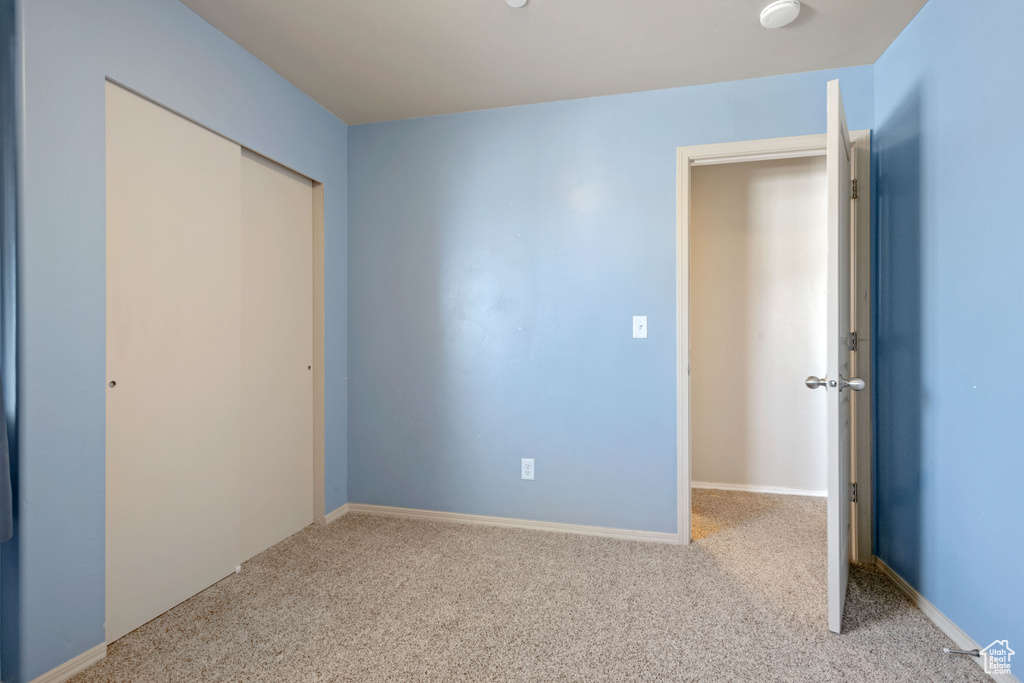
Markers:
(382, 599)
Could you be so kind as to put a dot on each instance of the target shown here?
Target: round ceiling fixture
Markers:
(780, 13)
(515, 4)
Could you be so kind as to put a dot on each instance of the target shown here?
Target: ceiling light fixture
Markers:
(515, 4)
(780, 13)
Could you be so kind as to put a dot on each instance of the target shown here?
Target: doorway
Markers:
(847, 162)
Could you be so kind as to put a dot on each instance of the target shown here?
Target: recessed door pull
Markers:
(112, 384)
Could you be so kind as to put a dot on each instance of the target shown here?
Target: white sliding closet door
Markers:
(277, 353)
(173, 349)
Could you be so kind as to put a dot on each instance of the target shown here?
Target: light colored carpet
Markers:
(380, 599)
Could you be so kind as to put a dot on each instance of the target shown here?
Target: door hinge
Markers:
(855, 188)
(853, 493)
(853, 341)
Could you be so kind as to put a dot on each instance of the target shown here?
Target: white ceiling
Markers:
(378, 60)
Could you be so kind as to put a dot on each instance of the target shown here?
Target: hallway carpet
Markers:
(381, 599)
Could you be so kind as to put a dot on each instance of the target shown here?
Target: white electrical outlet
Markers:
(527, 468)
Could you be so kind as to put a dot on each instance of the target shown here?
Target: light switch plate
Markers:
(639, 327)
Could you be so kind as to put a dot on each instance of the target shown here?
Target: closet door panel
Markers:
(277, 353)
(174, 351)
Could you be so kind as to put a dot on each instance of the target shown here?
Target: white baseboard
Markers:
(955, 633)
(460, 518)
(335, 514)
(759, 489)
(73, 666)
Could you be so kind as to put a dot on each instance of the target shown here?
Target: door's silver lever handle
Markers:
(854, 383)
(813, 382)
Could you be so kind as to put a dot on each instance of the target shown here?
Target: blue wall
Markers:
(495, 261)
(949, 299)
(53, 585)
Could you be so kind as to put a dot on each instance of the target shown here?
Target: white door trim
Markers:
(764, 150)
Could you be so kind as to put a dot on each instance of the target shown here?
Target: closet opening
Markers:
(214, 358)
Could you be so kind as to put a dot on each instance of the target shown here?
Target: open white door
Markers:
(837, 383)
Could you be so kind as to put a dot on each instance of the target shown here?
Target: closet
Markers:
(210, 403)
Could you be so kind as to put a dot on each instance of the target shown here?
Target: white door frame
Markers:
(764, 150)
